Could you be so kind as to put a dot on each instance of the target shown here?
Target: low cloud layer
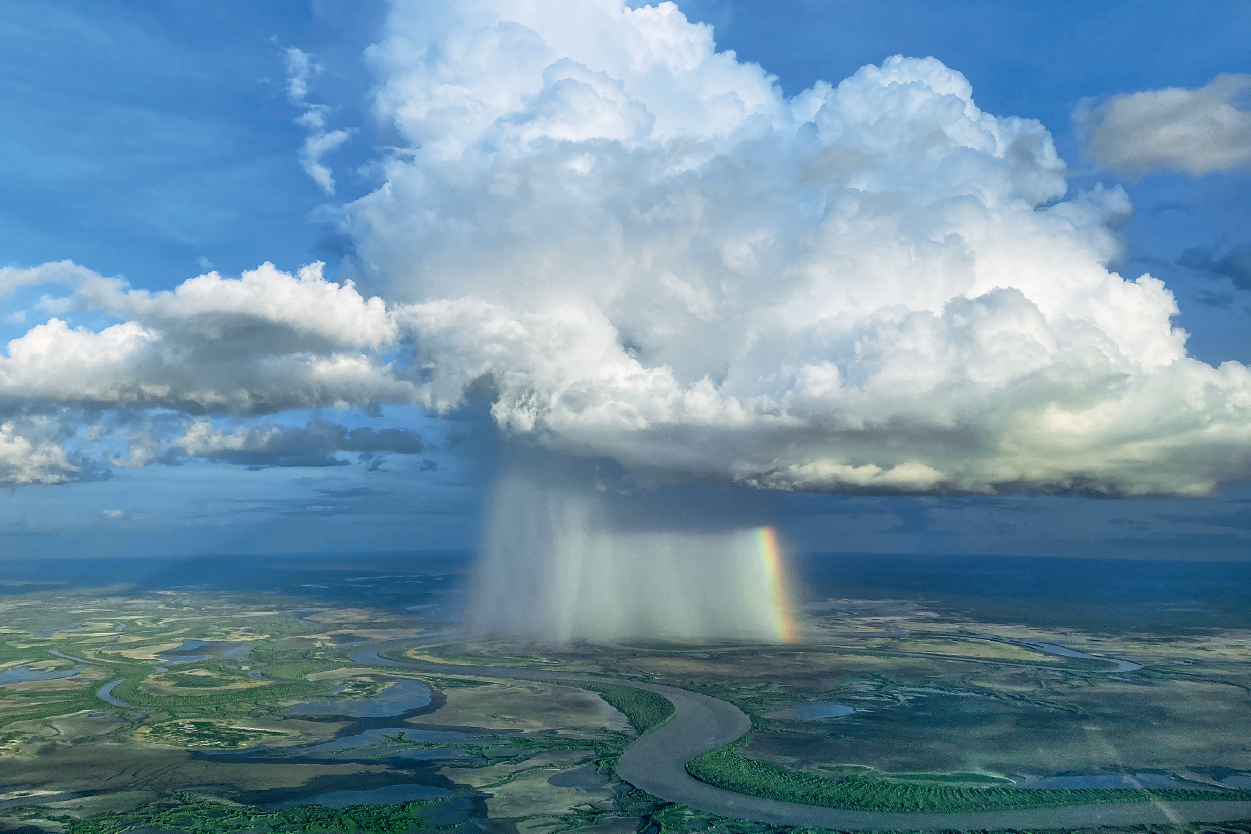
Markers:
(316, 444)
(262, 343)
(1194, 131)
(645, 251)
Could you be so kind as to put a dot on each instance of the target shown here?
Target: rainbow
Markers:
(784, 625)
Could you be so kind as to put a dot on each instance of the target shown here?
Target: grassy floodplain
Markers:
(726, 768)
(950, 707)
(188, 812)
(645, 710)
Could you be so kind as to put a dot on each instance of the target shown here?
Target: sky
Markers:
(886, 309)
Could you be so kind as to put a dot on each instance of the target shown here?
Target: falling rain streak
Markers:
(555, 567)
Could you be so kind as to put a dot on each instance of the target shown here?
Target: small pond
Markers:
(197, 651)
(398, 698)
(811, 711)
(22, 674)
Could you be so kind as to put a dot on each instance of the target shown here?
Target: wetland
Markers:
(288, 695)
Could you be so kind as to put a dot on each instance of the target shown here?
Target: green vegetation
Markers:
(293, 664)
(188, 812)
(205, 676)
(285, 677)
(843, 771)
(71, 694)
(207, 734)
(132, 691)
(47, 705)
(1089, 664)
(9, 652)
(726, 768)
(645, 710)
(948, 778)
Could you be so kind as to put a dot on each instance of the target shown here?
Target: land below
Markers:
(354, 703)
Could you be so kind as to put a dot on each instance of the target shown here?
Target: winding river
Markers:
(656, 763)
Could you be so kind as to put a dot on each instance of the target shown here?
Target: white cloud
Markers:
(316, 444)
(1196, 131)
(654, 255)
(319, 141)
(300, 67)
(29, 454)
(60, 272)
(647, 252)
(113, 515)
(265, 342)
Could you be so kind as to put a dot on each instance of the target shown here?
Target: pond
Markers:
(23, 674)
(398, 698)
(811, 711)
(197, 651)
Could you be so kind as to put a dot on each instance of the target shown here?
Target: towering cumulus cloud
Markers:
(645, 251)
(652, 254)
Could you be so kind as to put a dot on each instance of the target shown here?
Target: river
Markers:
(656, 763)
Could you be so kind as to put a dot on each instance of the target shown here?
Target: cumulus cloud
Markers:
(319, 141)
(651, 253)
(643, 250)
(274, 445)
(262, 343)
(1195, 131)
(31, 453)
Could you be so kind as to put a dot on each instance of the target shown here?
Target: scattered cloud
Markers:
(1195, 131)
(31, 454)
(263, 343)
(314, 445)
(1234, 263)
(113, 514)
(319, 141)
(58, 272)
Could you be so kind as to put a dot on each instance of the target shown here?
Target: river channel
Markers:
(656, 763)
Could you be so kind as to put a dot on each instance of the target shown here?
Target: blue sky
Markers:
(157, 141)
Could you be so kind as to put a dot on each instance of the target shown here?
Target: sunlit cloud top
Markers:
(642, 249)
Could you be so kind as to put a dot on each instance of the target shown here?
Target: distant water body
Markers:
(1100, 594)
(395, 581)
